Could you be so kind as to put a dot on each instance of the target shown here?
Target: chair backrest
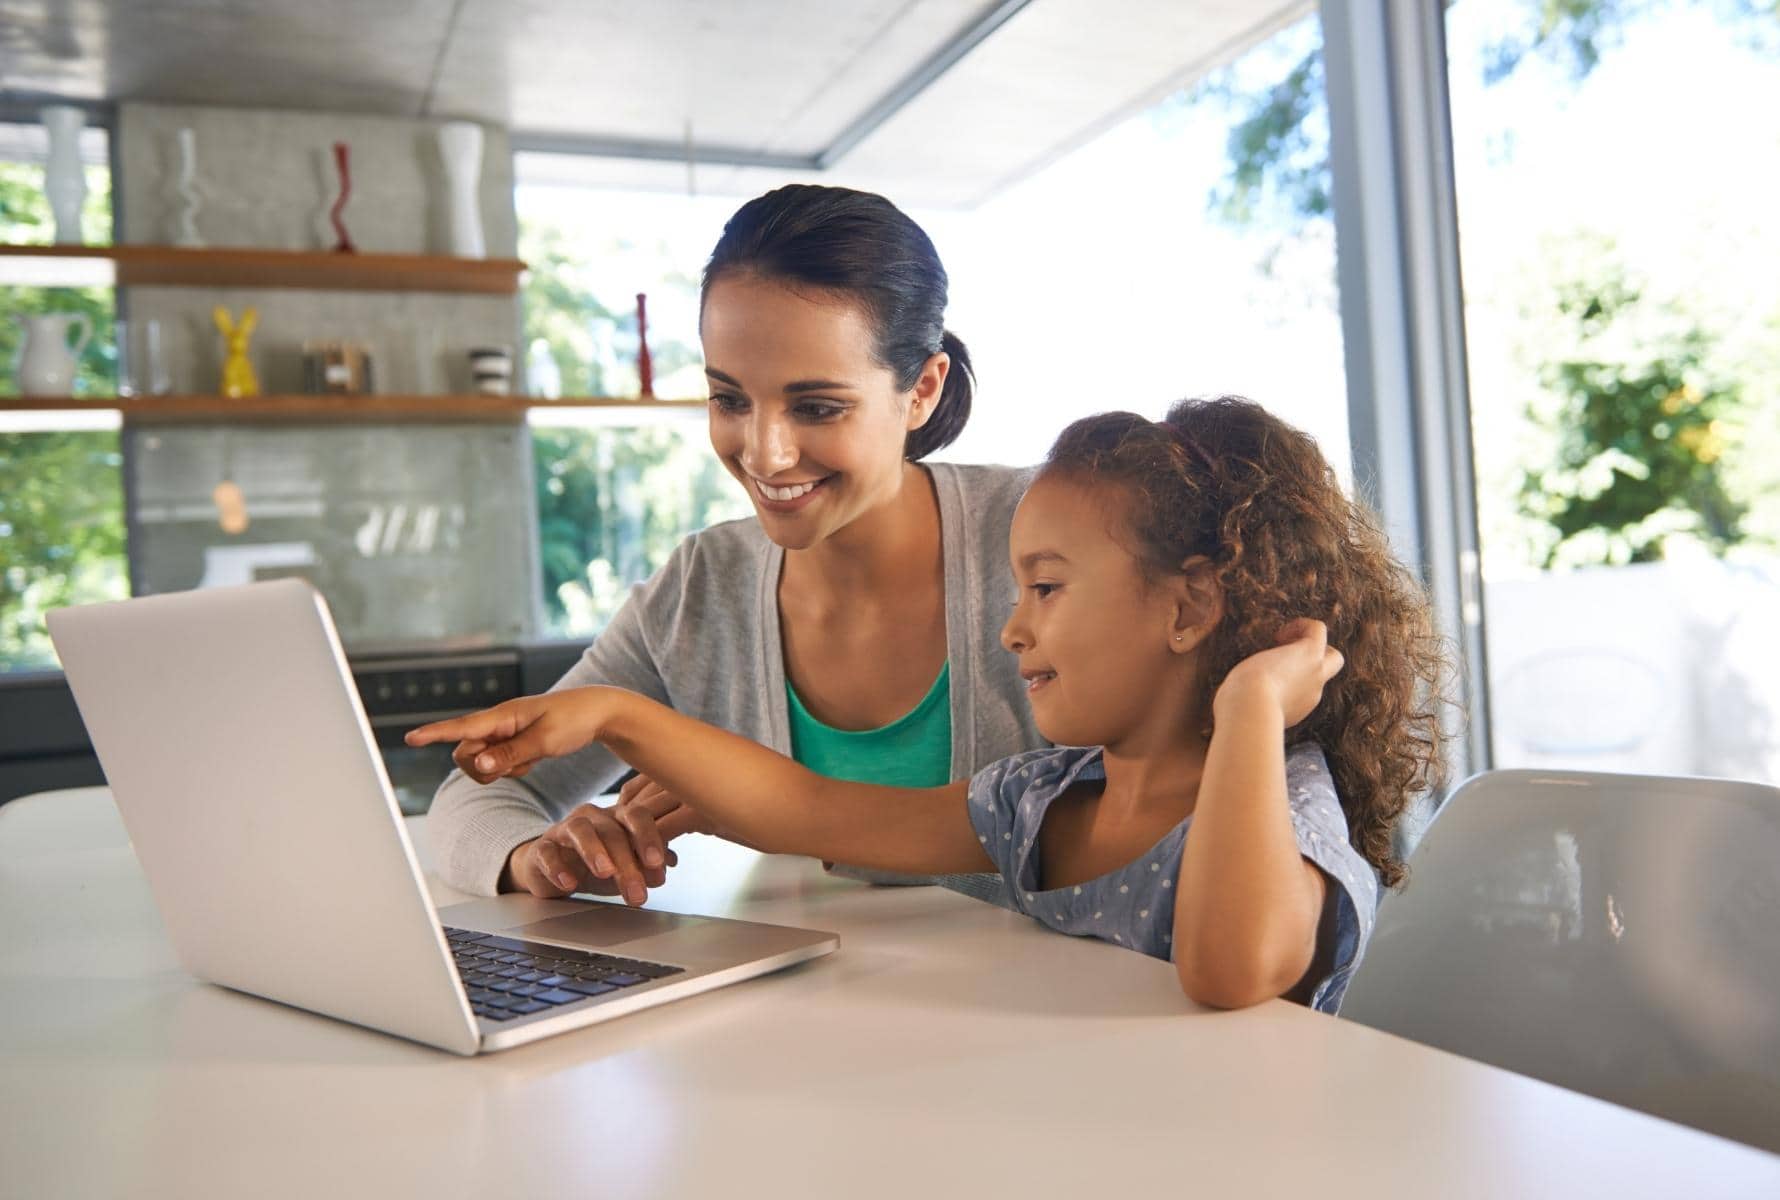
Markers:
(1618, 935)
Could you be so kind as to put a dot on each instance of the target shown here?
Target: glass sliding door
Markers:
(1615, 168)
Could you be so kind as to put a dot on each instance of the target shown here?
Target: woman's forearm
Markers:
(1246, 914)
(772, 802)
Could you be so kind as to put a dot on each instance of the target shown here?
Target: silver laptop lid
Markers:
(234, 742)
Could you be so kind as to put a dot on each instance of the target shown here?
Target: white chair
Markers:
(1618, 935)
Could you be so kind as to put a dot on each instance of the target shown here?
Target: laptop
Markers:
(234, 742)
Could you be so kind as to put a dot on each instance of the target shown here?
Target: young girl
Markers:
(1218, 641)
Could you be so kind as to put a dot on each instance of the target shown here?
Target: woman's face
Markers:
(802, 412)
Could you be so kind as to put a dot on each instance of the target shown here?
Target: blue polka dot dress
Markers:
(1133, 906)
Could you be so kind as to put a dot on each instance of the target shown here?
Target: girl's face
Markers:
(802, 412)
(1095, 641)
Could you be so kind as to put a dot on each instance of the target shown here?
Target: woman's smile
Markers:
(787, 497)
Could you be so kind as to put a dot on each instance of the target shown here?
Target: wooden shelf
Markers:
(246, 267)
(194, 409)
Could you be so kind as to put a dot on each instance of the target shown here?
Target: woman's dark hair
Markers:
(1226, 479)
(859, 246)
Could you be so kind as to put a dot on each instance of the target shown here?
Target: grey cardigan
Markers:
(702, 635)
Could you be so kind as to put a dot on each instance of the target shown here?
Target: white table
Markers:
(948, 1047)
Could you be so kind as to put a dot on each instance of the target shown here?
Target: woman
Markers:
(854, 622)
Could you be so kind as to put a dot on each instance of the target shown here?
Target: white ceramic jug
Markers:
(47, 362)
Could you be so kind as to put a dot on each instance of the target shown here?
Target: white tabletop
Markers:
(947, 1047)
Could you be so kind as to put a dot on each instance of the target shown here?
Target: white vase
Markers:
(47, 363)
(64, 178)
(185, 186)
(460, 146)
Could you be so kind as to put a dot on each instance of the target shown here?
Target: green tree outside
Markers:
(25, 220)
(1278, 146)
(593, 345)
(612, 505)
(1603, 470)
(61, 534)
(1640, 429)
(613, 502)
(559, 307)
(61, 491)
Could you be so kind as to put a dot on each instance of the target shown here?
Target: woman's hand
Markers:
(591, 850)
(587, 851)
(620, 850)
(1291, 674)
(510, 738)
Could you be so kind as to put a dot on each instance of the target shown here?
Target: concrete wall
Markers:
(267, 179)
(416, 532)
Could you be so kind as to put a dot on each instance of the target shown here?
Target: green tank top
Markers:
(913, 751)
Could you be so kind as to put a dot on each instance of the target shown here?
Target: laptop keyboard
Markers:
(508, 978)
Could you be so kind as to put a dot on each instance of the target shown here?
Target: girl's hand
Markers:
(510, 738)
(1291, 674)
(655, 816)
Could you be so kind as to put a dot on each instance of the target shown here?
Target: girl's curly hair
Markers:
(1224, 478)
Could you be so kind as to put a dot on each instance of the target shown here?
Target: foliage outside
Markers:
(61, 534)
(1641, 434)
(593, 343)
(613, 502)
(61, 492)
(612, 505)
(25, 220)
(1640, 427)
(1278, 146)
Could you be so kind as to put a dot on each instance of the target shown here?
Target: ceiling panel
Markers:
(776, 77)
(344, 55)
(753, 74)
(1058, 73)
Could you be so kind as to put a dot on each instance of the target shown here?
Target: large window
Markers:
(61, 496)
(614, 496)
(1157, 262)
(1615, 169)
(613, 502)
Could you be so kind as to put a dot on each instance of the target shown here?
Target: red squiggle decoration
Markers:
(645, 368)
(344, 245)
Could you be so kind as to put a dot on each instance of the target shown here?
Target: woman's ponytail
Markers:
(953, 407)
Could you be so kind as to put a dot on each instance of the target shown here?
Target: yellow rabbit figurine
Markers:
(238, 378)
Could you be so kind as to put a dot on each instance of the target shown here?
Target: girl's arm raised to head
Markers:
(758, 794)
(1248, 903)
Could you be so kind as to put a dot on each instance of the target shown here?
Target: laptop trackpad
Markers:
(603, 925)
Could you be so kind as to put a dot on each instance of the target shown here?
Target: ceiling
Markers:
(936, 102)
